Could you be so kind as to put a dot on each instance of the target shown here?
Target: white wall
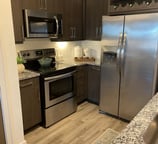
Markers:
(65, 50)
(9, 83)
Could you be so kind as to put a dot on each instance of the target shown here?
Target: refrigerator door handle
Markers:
(123, 51)
(119, 52)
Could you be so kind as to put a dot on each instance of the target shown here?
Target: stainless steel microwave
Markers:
(41, 24)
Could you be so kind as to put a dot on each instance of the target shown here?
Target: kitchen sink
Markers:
(151, 134)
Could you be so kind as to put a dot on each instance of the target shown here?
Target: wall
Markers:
(9, 83)
(65, 50)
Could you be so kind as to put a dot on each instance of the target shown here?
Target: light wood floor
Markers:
(82, 127)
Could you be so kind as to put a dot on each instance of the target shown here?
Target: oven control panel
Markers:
(35, 54)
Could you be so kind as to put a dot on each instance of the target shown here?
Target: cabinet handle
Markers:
(61, 27)
(100, 31)
(97, 31)
(22, 33)
(74, 32)
(26, 85)
(45, 4)
(40, 2)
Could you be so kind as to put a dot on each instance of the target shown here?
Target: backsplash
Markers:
(64, 50)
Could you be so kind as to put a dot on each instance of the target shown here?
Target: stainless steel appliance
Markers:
(42, 24)
(129, 63)
(57, 85)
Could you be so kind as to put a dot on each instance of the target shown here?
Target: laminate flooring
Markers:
(82, 127)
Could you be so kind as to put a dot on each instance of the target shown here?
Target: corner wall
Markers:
(9, 82)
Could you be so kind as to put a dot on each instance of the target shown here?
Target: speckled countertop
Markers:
(133, 133)
(95, 63)
(27, 74)
(30, 74)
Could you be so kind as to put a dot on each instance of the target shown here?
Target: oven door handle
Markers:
(59, 76)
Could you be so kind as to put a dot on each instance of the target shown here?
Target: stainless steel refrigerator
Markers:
(129, 63)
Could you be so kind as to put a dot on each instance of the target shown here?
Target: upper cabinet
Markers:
(94, 11)
(17, 21)
(117, 7)
(73, 20)
(55, 6)
(82, 19)
(34, 4)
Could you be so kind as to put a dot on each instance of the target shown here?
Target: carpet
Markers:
(106, 137)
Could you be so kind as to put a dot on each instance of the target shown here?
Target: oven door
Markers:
(58, 88)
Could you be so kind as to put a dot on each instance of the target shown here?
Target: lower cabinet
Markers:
(30, 100)
(2, 136)
(88, 83)
(93, 84)
(81, 83)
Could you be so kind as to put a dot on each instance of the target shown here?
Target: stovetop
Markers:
(32, 57)
(54, 67)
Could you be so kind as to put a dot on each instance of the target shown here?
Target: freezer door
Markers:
(110, 76)
(138, 63)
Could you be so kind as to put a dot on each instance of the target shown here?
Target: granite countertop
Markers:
(27, 74)
(95, 63)
(133, 133)
(30, 74)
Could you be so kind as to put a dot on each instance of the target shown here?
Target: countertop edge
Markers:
(27, 74)
(133, 133)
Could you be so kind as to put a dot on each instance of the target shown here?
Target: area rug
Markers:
(106, 137)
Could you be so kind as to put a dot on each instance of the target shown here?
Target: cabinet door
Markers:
(30, 99)
(73, 19)
(17, 20)
(94, 84)
(81, 85)
(78, 19)
(94, 12)
(2, 136)
(32, 4)
(105, 8)
(55, 6)
(68, 20)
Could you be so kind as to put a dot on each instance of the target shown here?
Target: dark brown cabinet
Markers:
(31, 105)
(81, 83)
(94, 84)
(55, 6)
(17, 20)
(94, 11)
(2, 136)
(34, 4)
(73, 20)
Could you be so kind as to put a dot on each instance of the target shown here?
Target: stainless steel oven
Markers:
(57, 85)
(58, 88)
(59, 91)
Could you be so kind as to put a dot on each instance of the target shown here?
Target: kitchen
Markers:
(38, 44)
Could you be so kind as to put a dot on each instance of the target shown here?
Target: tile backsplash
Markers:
(64, 50)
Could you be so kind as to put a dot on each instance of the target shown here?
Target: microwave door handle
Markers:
(57, 24)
